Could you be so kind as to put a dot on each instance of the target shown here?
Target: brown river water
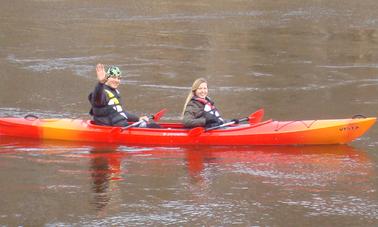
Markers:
(297, 59)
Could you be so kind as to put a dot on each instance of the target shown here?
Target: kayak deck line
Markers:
(305, 123)
(291, 122)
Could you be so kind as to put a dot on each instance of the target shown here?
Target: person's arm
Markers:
(98, 95)
(193, 116)
(101, 74)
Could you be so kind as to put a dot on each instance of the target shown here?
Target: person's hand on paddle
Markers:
(144, 118)
(236, 121)
(143, 121)
(100, 71)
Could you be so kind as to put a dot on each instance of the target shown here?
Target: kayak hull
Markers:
(306, 132)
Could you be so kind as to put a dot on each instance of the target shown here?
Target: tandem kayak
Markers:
(269, 132)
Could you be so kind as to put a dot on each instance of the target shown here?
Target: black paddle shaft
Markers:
(227, 124)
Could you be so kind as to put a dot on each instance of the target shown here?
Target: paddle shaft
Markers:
(132, 125)
(252, 119)
(155, 116)
(227, 124)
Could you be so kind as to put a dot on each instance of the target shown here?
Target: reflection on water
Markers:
(105, 168)
(190, 182)
(297, 168)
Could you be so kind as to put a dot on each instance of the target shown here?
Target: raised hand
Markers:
(101, 75)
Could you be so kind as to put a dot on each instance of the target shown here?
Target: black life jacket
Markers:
(111, 113)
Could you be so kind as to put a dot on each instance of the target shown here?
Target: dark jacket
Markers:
(106, 113)
(195, 115)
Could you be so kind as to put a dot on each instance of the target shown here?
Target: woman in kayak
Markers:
(106, 101)
(199, 110)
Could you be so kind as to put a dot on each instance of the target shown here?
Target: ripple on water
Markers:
(17, 112)
(338, 205)
(82, 66)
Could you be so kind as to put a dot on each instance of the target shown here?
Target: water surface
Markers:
(297, 59)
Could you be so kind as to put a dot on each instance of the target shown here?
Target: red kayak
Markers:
(255, 132)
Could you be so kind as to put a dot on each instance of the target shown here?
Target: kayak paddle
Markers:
(254, 118)
(155, 117)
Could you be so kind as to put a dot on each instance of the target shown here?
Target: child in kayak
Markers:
(106, 101)
(199, 109)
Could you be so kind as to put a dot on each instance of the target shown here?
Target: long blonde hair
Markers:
(195, 86)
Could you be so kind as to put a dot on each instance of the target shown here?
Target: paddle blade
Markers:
(159, 114)
(256, 117)
(196, 131)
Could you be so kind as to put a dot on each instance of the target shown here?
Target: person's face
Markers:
(201, 91)
(113, 81)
